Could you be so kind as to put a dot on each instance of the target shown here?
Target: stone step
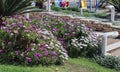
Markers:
(115, 52)
(113, 46)
(111, 41)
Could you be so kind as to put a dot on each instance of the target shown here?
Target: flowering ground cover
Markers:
(77, 38)
(23, 41)
(41, 43)
(45, 40)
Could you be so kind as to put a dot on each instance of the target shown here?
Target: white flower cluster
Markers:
(90, 38)
(79, 44)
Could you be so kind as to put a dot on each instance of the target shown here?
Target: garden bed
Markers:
(94, 24)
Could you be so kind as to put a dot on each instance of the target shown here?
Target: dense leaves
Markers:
(12, 7)
(115, 3)
(24, 41)
(76, 38)
(108, 61)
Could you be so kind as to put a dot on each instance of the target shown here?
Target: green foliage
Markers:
(109, 61)
(115, 3)
(24, 41)
(90, 63)
(76, 38)
(73, 9)
(55, 8)
(73, 65)
(69, 8)
(13, 7)
(70, 66)
(40, 0)
(85, 43)
(101, 15)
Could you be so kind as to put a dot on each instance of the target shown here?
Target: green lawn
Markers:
(73, 65)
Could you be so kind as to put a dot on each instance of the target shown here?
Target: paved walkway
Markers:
(115, 52)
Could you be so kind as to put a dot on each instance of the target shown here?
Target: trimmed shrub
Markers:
(108, 61)
(24, 41)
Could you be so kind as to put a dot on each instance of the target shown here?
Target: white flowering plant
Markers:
(77, 38)
(85, 43)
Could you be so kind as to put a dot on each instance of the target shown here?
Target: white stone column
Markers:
(113, 14)
(81, 11)
(112, 9)
(27, 14)
(104, 40)
(104, 44)
(49, 5)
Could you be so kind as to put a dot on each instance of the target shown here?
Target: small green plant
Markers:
(56, 8)
(101, 15)
(108, 61)
(73, 9)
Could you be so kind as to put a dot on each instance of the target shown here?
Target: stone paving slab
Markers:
(115, 52)
(111, 41)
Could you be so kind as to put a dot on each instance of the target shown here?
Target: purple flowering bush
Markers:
(25, 41)
(78, 39)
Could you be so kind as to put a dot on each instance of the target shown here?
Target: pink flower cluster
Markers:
(24, 41)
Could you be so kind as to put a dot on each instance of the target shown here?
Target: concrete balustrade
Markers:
(49, 5)
(105, 48)
(112, 9)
